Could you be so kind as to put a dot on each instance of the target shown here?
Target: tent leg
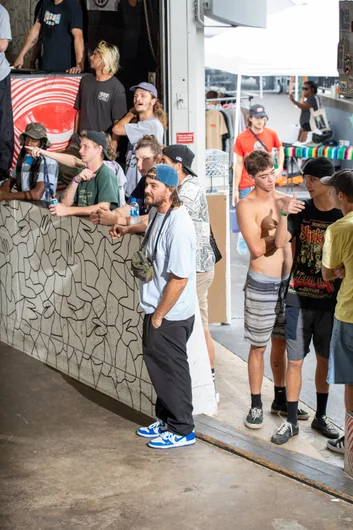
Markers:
(237, 120)
(261, 87)
(296, 88)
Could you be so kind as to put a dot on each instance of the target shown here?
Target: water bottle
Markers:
(275, 157)
(134, 212)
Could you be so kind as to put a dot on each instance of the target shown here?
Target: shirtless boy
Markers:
(259, 218)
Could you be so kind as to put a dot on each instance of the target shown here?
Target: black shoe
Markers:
(255, 418)
(326, 428)
(282, 410)
(336, 445)
(287, 430)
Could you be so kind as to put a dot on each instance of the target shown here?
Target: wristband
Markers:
(75, 180)
(282, 213)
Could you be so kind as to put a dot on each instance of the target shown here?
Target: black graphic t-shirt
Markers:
(307, 288)
(100, 103)
(58, 21)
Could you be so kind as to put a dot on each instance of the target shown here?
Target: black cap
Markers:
(99, 139)
(341, 180)
(182, 154)
(257, 111)
(319, 167)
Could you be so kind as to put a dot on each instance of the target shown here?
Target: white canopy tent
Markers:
(300, 40)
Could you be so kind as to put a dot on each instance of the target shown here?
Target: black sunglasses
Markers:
(305, 88)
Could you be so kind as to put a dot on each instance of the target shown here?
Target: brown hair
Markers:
(258, 161)
(109, 148)
(342, 181)
(160, 113)
(150, 141)
(175, 199)
(249, 121)
(211, 94)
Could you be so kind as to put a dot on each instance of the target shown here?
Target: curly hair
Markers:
(160, 113)
(150, 141)
(258, 161)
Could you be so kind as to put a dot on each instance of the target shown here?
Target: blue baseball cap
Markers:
(146, 86)
(165, 174)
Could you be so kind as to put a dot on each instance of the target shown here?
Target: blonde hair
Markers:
(110, 57)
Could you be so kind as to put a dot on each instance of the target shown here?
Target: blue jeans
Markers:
(245, 191)
(241, 245)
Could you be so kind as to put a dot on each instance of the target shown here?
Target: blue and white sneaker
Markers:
(169, 440)
(152, 431)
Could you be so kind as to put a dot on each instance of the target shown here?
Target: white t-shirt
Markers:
(5, 33)
(49, 185)
(134, 132)
(176, 254)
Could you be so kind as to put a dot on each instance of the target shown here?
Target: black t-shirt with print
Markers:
(100, 103)
(57, 21)
(307, 288)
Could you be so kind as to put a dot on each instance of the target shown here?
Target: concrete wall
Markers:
(68, 298)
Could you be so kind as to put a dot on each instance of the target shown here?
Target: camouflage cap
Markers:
(37, 131)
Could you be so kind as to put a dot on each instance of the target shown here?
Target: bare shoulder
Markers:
(246, 206)
(281, 198)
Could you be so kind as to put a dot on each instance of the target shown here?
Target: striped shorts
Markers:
(264, 314)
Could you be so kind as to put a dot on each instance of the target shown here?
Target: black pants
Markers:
(6, 127)
(164, 351)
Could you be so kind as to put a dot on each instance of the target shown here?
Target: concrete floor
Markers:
(71, 460)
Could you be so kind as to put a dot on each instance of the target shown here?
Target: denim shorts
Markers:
(340, 367)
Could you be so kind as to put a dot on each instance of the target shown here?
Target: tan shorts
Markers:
(203, 283)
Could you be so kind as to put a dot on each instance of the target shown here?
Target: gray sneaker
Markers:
(255, 418)
(286, 431)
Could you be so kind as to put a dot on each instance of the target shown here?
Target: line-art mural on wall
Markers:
(68, 298)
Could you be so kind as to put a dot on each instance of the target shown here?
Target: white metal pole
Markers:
(296, 88)
(261, 87)
(236, 121)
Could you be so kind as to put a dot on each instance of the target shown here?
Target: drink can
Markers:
(53, 201)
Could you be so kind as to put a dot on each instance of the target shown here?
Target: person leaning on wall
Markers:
(34, 177)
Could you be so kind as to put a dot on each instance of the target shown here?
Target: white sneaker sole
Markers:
(252, 425)
(174, 446)
(337, 450)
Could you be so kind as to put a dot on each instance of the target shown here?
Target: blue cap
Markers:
(146, 86)
(165, 174)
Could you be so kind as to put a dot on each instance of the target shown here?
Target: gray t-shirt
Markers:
(134, 132)
(176, 254)
(100, 103)
(305, 114)
(5, 33)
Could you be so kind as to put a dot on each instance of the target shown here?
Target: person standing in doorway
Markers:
(60, 24)
(101, 100)
(259, 215)
(6, 119)
(310, 300)
(338, 256)
(311, 102)
(257, 137)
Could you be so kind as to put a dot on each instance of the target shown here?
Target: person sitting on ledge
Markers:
(35, 178)
(96, 184)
